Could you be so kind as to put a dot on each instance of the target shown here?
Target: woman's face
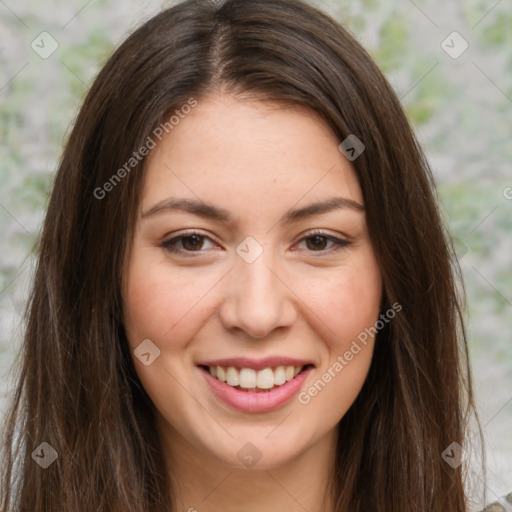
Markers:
(257, 289)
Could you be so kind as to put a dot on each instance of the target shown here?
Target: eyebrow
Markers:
(209, 211)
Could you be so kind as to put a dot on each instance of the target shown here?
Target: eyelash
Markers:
(169, 245)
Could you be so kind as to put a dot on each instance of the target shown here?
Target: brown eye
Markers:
(316, 242)
(322, 243)
(192, 242)
(187, 243)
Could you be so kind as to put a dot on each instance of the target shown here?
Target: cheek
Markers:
(159, 304)
(328, 396)
(165, 307)
(348, 350)
(348, 302)
(348, 305)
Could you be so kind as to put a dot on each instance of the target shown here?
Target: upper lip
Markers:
(256, 364)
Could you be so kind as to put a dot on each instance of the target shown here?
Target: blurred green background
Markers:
(460, 106)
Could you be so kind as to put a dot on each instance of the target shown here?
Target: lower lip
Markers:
(256, 401)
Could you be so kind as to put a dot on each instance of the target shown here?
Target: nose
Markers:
(258, 299)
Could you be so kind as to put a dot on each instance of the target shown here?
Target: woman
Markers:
(245, 295)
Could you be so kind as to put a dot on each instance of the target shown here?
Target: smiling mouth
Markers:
(248, 379)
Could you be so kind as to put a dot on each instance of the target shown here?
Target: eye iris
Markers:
(197, 242)
(317, 239)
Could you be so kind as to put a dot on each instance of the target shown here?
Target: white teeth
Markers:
(221, 374)
(232, 376)
(279, 376)
(248, 378)
(265, 378)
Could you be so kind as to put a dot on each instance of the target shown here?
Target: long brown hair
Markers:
(77, 388)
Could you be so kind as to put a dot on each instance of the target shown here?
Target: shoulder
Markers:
(504, 504)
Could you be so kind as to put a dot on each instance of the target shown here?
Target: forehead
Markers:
(248, 154)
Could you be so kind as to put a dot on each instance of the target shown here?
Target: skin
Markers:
(299, 298)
